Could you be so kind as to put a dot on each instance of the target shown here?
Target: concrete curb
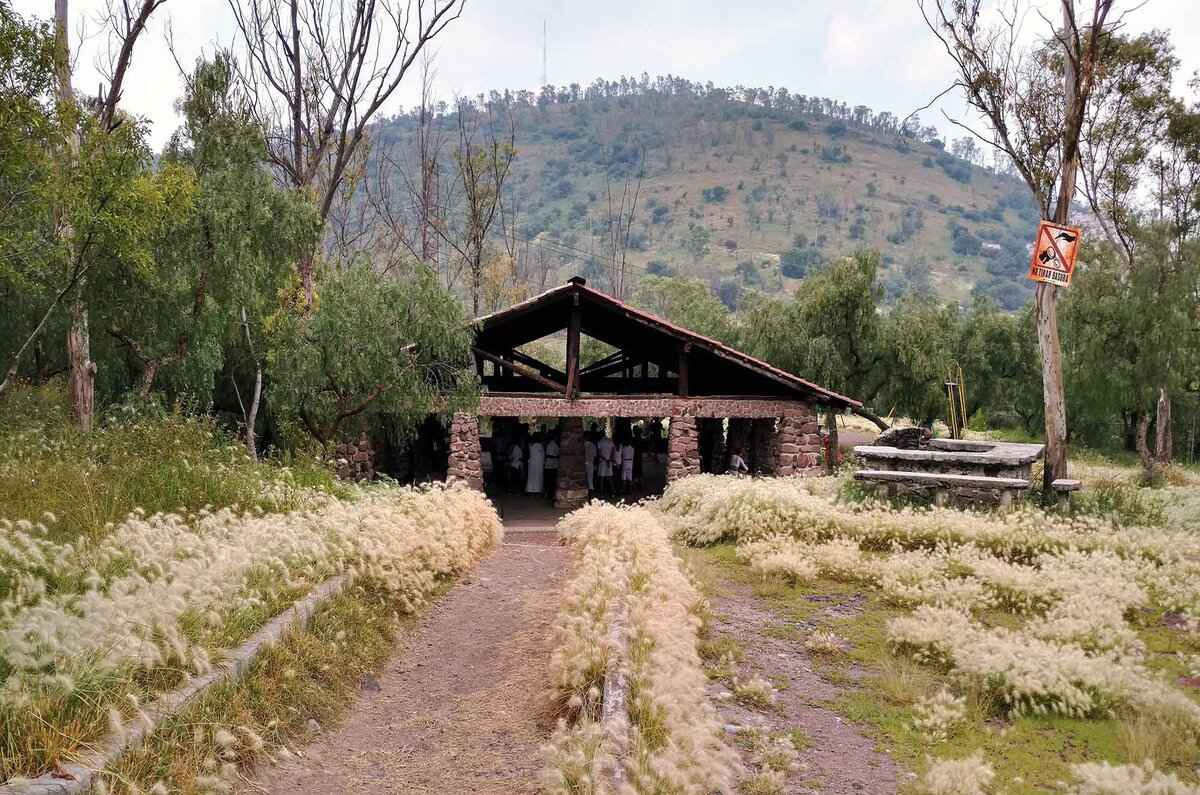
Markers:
(76, 778)
(614, 714)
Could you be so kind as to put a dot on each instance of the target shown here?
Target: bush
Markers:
(835, 129)
(715, 195)
(799, 125)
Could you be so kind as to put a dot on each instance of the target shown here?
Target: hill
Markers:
(748, 189)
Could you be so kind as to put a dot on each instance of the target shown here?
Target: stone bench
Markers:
(942, 488)
(1062, 490)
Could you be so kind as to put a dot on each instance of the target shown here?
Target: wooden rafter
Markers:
(517, 367)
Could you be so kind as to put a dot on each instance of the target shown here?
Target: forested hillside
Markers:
(744, 188)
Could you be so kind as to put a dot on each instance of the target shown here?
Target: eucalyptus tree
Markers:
(1034, 101)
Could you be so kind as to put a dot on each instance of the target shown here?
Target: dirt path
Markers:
(461, 707)
(839, 759)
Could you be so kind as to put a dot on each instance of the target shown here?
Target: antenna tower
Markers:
(545, 80)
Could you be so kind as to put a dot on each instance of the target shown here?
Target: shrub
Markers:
(624, 563)
(85, 624)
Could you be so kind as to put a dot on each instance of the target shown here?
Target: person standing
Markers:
(589, 459)
(627, 456)
(537, 466)
(552, 465)
(606, 452)
(516, 460)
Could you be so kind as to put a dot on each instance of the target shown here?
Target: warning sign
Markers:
(1054, 254)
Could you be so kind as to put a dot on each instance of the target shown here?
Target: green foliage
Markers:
(374, 345)
(1129, 331)
(687, 302)
(715, 195)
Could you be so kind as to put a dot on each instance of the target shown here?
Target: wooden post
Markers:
(832, 434)
(684, 354)
(573, 325)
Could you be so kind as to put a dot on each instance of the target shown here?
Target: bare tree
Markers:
(319, 71)
(404, 192)
(1036, 120)
(618, 224)
(484, 156)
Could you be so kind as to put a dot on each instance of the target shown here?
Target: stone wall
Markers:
(683, 448)
(464, 450)
(355, 460)
(502, 405)
(572, 482)
(799, 446)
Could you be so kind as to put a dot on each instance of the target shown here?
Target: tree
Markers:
(484, 156)
(617, 226)
(830, 331)
(376, 345)
(318, 72)
(127, 25)
(29, 131)
(1036, 114)
(225, 241)
(688, 303)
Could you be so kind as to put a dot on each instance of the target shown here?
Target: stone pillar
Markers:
(765, 457)
(464, 450)
(356, 460)
(572, 484)
(799, 445)
(683, 449)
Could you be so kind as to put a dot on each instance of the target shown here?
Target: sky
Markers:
(873, 52)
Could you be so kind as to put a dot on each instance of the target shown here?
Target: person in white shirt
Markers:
(516, 462)
(627, 453)
(737, 464)
(552, 465)
(537, 466)
(589, 459)
(606, 453)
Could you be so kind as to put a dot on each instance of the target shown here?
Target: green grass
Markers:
(153, 459)
(311, 675)
(1030, 754)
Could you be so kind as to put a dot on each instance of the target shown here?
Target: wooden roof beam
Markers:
(517, 367)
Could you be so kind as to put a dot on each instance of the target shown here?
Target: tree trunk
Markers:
(82, 379)
(82, 369)
(1163, 441)
(1052, 385)
(1143, 447)
(252, 415)
(1046, 295)
(831, 460)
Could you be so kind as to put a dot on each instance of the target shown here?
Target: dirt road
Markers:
(462, 706)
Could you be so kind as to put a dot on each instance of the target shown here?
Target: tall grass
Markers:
(143, 457)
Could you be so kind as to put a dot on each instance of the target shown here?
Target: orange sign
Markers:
(1054, 253)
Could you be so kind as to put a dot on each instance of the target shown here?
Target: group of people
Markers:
(612, 467)
(522, 462)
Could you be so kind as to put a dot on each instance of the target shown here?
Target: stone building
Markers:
(658, 371)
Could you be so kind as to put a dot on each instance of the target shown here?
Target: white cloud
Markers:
(874, 52)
